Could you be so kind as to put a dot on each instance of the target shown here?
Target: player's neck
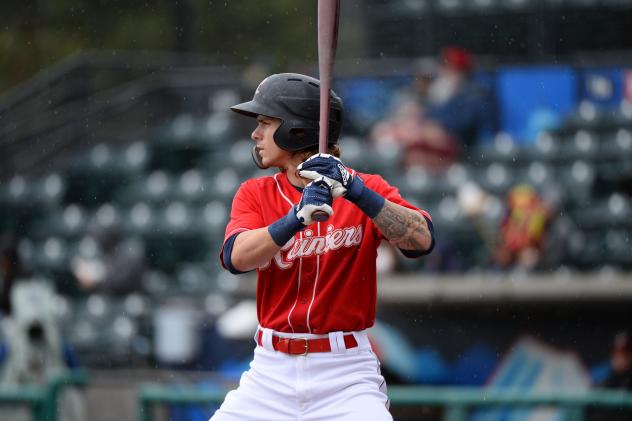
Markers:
(292, 173)
(294, 179)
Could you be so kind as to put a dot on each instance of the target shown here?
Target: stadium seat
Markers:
(450, 6)
(577, 180)
(622, 116)
(212, 217)
(503, 149)
(616, 145)
(514, 4)
(546, 148)
(225, 183)
(94, 176)
(612, 212)
(139, 219)
(496, 178)
(587, 116)
(240, 155)
(191, 187)
(582, 144)
(537, 174)
(156, 188)
(69, 222)
(618, 244)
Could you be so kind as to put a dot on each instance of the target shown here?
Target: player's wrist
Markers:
(284, 228)
(370, 202)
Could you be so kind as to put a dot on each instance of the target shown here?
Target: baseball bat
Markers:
(328, 12)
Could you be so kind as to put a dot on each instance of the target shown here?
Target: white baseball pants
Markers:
(344, 384)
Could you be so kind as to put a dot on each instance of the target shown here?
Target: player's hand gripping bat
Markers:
(328, 12)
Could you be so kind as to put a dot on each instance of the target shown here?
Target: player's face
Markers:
(263, 135)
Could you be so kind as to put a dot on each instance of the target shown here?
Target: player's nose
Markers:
(256, 134)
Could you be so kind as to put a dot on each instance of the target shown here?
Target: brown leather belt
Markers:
(304, 346)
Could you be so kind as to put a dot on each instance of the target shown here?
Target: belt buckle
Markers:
(306, 345)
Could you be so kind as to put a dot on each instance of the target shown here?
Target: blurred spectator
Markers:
(620, 378)
(110, 264)
(10, 270)
(523, 230)
(620, 363)
(455, 101)
(440, 115)
(34, 352)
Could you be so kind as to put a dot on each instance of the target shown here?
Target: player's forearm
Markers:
(253, 249)
(404, 228)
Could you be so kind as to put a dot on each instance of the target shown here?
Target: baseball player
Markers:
(316, 287)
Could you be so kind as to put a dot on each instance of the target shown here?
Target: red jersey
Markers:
(324, 278)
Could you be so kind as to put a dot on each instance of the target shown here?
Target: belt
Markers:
(304, 346)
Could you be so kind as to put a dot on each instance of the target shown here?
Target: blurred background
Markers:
(510, 121)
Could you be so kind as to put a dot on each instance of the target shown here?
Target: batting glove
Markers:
(331, 169)
(342, 182)
(316, 197)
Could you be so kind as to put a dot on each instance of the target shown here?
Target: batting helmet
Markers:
(295, 100)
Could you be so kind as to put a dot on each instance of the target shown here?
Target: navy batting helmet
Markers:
(295, 100)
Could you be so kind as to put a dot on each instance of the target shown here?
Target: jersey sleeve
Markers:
(245, 213)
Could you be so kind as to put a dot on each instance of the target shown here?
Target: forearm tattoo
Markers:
(403, 227)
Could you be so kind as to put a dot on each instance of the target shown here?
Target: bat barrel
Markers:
(328, 12)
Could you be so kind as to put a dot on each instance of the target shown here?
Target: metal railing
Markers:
(42, 400)
(457, 402)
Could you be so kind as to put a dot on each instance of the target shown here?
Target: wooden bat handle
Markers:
(328, 12)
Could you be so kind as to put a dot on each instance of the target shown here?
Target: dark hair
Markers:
(333, 149)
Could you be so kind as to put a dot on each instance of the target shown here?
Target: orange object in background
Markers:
(523, 229)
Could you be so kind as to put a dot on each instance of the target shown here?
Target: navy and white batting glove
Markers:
(316, 197)
(342, 182)
(331, 169)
